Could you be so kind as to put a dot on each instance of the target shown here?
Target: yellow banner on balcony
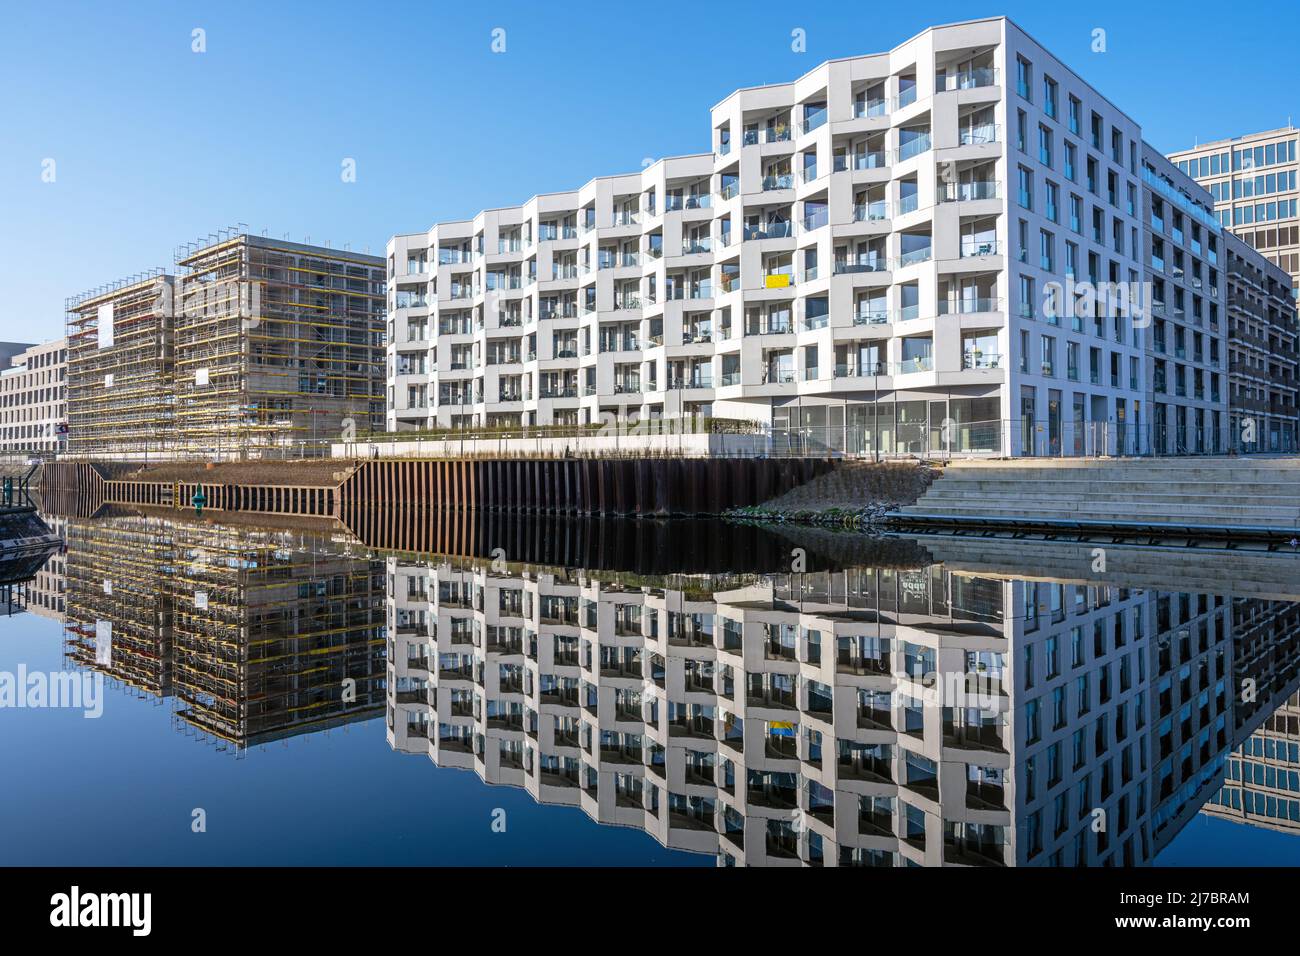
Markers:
(778, 281)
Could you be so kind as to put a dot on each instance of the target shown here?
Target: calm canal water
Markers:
(652, 693)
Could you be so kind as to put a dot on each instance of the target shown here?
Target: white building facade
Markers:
(865, 259)
(33, 400)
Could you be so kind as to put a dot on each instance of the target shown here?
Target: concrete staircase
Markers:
(1260, 493)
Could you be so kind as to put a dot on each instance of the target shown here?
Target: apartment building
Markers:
(1263, 352)
(121, 359)
(865, 258)
(259, 346)
(279, 345)
(33, 399)
(1252, 179)
(855, 717)
(1186, 363)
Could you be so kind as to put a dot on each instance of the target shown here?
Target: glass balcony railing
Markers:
(866, 160)
(778, 375)
(909, 203)
(778, 181)
(968, 192)
(906, 97)
(971, 248)
(808, 174)
(771, 230)
(978, 359)
(907, 313)
(978, 135)
(677, 202)
(967, 80)
(691, 247)
(813, 119)
(871, 315)
(968, 306)
(858, 264)
(915, 256)
(771, 134)
(865, 108)
(918, 363)
(697, 380)
(816, 219)
(871, 211)
(914, 147)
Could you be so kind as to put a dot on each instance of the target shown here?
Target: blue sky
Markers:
(155, 145)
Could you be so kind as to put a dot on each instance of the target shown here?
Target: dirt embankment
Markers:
(855, 485)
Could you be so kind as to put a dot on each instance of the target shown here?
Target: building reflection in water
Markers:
(879, 715)
(850, 717)
(252, 633)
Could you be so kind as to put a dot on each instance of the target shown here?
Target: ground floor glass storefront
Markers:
(919, 427)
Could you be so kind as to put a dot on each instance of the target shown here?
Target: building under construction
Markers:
(119, 603)
(120, 395)
(279, 346)
(274, 637)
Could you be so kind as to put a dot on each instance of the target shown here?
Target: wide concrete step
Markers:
(1048, 496)
(1243, 515)
(1103, 486)
(1106, 464)
(1122, 474)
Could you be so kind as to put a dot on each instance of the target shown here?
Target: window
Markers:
(1049, 96)
(1045, 146)
(1024, 78)
(1025, 189)
(1075, 109)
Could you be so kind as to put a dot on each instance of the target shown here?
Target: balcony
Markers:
(868, 108)
(778, 181)
(969, 306)
(871, 211)
(871, 315)
(918, 363)
(915, 256)
(969, 192)
(564, 391)
(981, 135)
(692, 247)
(813, 120)
(771, 230)
(773, 134)
(856, 264)
(913, 147)
(976, 78)
(697, 380)
(675, 203)
(975, 248)
(980, 360)
(868, 160)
